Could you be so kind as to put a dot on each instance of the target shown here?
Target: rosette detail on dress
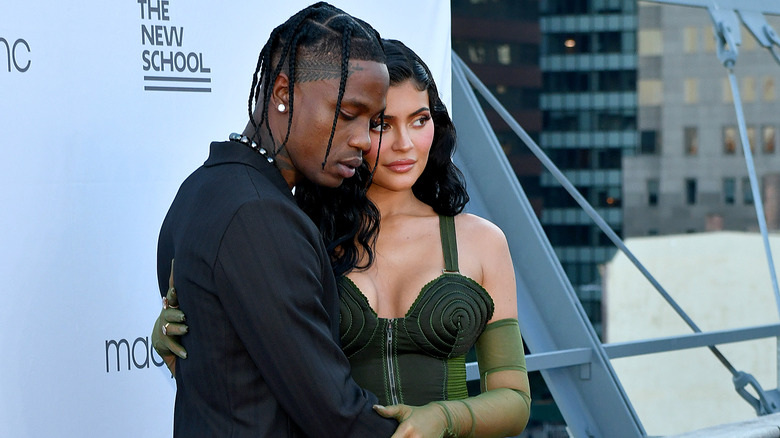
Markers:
(358, 321)
(449, 315)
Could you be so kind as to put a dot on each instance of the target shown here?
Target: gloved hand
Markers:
(503, 407)
(168, 328)
(429, 421)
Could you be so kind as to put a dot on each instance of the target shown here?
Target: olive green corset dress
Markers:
(421, 357)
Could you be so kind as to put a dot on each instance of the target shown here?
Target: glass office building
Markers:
(589, 108)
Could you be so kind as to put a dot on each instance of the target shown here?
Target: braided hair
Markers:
(344, 211)
(316, 37)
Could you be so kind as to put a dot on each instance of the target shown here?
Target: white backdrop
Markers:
(90, 163)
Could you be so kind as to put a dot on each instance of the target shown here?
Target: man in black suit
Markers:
(252, 272)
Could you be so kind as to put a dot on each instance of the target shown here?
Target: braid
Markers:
(293, 25)
(291, 88)
(378, 148)
(345, 46)
(280, 34)
(317, 35)
(262, 61)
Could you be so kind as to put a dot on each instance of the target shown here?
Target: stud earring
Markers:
(281, 108)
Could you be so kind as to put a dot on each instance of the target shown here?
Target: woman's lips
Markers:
(401, 166)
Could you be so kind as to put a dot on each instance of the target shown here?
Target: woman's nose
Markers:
(403, 142)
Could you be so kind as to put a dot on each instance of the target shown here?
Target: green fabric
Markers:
(456, 378)
(423, 353)
(449, 244)
(500, 348)
(497, 413)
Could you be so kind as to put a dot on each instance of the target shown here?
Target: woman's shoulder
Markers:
(480, 238)
(473, 227)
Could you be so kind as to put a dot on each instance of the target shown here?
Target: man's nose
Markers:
(361, 140)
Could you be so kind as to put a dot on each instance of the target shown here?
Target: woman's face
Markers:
(407, 135)
(313, 113)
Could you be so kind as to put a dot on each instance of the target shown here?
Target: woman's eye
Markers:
(422, 121)
(377, 126)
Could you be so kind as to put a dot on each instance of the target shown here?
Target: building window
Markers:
(751, 134)
(690, 191)
(608, 6)
(556, 82)
(650, 92)
(476, 54)
(561, 120)
(691, 140)
(609, 159)
(729, 190)
(747, 192)
(615, 120)
(768, 90)
(564, 7)
(650, 42)
(504, 54)
(609, 42)
(615, 80)
(709, 43)
(691, 90)
(608, 197)
(690, 40)
(648, 143)
(729, 140)
(749, 88)
(652, 192)
(567, 43)
(768, 139)
(726, 87)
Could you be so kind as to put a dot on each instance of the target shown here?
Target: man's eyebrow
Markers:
(358, 104)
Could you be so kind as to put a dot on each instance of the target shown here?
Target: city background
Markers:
(631, 102)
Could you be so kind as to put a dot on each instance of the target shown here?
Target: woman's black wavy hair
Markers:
(348, 220)
(441, 184)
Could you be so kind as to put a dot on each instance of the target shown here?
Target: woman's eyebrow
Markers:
(421, 110)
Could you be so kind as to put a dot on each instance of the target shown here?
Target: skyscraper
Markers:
(589, 64)
(499, 40)
(689, 172)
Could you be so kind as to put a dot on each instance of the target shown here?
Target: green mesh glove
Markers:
(168, 328)
(501, 410)
(429, 421)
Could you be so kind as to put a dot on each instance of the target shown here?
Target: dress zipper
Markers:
(390, 364)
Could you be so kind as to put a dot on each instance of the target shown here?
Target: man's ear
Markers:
(280, 93)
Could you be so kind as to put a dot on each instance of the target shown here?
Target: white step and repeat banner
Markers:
(105, 107)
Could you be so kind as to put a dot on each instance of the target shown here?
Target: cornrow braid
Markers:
(290, 89)
(261, 80)
(319, 29)
(308, 47)
(347, 38)
(265, 59)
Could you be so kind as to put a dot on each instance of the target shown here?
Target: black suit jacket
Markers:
(254, 280)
